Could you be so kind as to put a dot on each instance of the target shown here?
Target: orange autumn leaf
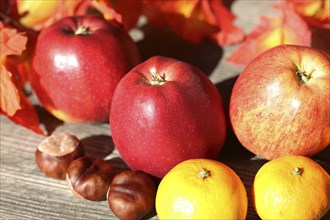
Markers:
(14, 103)
(195, 20)
(270, 32)
(20, 44)
(182, 16)
(9, 98)
(314, 12)
(40, 14)
(20, 66)
(106, 9)
(12, 43)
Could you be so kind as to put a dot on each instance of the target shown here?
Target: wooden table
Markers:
(26, 193)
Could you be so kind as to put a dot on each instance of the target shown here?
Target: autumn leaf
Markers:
(10, 100)
(130, 11)
(17, 43)
(106, 9)
(195, 20)
(229, 33)
(315, 12)
(14, 104)
(40, 14)
(182, 16)
(26, 116)
(12, 43)
(270, 32)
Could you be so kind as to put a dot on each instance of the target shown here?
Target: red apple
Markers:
(78, 62)
(165, 111)
(280, 103)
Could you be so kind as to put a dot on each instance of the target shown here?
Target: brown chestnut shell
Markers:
(90, 178)
(131, 195)
(54, 154)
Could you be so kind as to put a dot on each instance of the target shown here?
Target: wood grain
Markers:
(25, 193)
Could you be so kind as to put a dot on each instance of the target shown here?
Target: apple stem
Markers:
(297, 171)
(303, 76)
(204, 173)
(82, 30)
(157, 78)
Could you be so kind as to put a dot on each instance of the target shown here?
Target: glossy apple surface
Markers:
(280, 103)
(165, 111)
(78, 62)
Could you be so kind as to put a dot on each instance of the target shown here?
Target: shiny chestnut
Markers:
(131, 195)
(90, 178)
(55, 153)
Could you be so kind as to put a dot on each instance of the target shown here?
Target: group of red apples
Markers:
(163, 111)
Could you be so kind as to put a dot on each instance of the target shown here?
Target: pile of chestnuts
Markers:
(130, 194)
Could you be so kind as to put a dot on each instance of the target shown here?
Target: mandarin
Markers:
(291, 187)
(201, 189)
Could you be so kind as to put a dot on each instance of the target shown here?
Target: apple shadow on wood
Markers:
(164, 42)
(99, 146)
(118, 164)
(47, 120)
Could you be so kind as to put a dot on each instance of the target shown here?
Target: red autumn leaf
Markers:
(314, 12)
(8, 10)
(270, 32)
(26, 116)
(130, 11)
(195, 19)
(229, 33)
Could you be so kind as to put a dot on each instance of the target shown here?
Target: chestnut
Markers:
(55, 153)
(131, 195)
(90, 178)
